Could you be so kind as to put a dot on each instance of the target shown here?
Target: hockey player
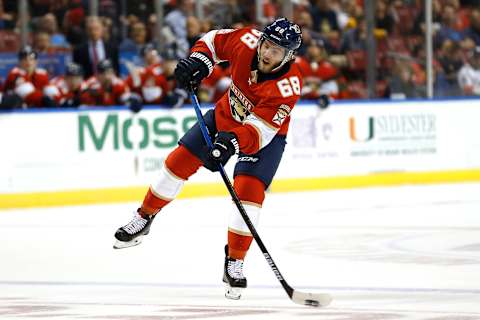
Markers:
(65, 90)
(250, 120)
(149, 82)
(24, 84)
(106, 89)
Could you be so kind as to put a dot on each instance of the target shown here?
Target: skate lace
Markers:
(136, 224)
(235, 268)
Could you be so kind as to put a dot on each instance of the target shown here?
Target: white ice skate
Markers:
(233, 277)
(132, 233)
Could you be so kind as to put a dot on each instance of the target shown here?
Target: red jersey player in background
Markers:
(65, 90)
(24, 84)
(106, 89)
(149, 81)
(250, 120)
(319, 75)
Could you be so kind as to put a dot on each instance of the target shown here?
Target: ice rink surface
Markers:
(408, 252)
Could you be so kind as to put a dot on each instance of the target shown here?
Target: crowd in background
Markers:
(332, 57)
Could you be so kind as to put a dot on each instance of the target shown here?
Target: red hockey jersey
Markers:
(257, 106)
(58, 90)
(150, 83)
(314, 75)
(28, 86)
(94, 94)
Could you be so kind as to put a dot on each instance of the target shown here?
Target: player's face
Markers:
(270, 56)
(28, 64)
(106, 77)
(74, 82)
(151, 57)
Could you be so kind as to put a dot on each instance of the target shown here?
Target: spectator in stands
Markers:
(473, 32)
(176, 20)
(469, 74)
(194, 31)
(325, 19)
(110, 33)
(347, 11)
(319, 75)
(149, 82)
(419, 23)
(7, 19)
(450, 59)
(448, 29)
(41, 42)
(355, 39)
(305, 21)
(105, 88)
(383, 18)
(24, 84)
(65, 90)
(402, 85)
(48, 23)
(140, 9)
(73, 22)
(137, 38)
(95, 49)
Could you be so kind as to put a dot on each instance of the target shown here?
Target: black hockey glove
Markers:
(176, 99)
(225, 145)
(323, 101)
(190, 71)
(134, 103)
(48, 102)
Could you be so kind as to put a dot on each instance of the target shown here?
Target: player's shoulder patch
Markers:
(282, 113)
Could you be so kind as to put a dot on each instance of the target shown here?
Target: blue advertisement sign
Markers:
(54, 63)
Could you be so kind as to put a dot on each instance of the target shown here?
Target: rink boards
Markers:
(109, 155)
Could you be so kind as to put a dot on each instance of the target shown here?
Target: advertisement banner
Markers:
(45, 151)
(53, 63)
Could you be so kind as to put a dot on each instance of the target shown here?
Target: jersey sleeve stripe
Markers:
(265, 131)
(209, 40)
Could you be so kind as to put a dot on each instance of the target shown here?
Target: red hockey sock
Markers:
(152, 204)
(249, 189)
(238, 245)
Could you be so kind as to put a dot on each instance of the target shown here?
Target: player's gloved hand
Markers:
(176, 99)
(225, 145)
(190, 71)
(323, 101)
(134, 103)
(48, 102)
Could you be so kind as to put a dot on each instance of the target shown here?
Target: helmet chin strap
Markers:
(288, 56)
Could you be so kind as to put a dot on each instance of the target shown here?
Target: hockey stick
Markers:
(304, 298)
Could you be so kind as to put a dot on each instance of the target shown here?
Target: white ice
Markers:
(408, 252)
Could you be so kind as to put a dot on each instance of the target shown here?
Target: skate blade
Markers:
(233, 293)
(127, 244)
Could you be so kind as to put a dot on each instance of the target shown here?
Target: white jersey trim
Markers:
(209, 40)
(265, 130)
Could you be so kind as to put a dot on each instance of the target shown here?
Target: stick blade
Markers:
(311, 299)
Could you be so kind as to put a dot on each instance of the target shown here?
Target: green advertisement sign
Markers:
(116, 133)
